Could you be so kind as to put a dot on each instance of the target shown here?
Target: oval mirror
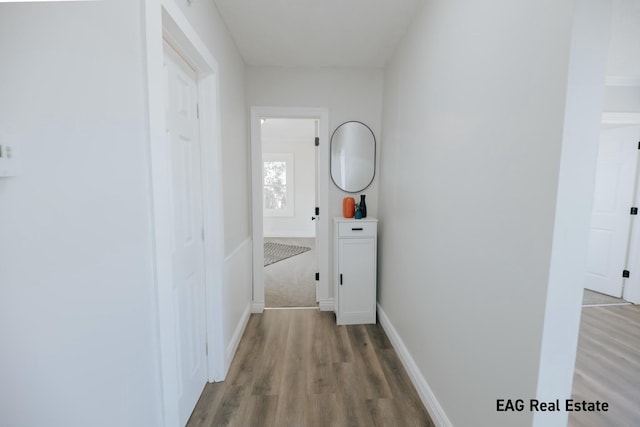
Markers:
(353, 156)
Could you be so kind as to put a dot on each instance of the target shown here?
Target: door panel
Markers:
(610, 221)
(358, 277)
(188, 245)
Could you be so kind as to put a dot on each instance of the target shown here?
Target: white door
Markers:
(187, 237)
(610, 220)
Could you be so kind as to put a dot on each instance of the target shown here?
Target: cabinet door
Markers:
(357, 293)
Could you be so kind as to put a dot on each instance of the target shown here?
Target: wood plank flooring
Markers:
(298, 368)
(608, 366)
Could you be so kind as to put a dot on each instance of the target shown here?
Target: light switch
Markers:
(8, 155)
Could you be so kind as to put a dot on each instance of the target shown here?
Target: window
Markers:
(277, 181)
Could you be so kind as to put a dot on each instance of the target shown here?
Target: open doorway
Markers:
(611, 246)
(289, 170)
(184, 151)
(608, 354)
(317, 217)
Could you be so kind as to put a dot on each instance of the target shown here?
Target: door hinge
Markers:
(317, 276)
(198, 111)
(317, 141)
(625, 273)
(634, 211)
(203, 234)
(317, 210)
(206, 348)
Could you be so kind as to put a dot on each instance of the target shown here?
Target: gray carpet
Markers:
(274, 252)
(291, 282)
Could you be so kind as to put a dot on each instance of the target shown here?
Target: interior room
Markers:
(133, 215)
(289, 175)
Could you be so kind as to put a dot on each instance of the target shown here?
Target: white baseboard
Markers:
(257, 307)
(235, 339)
(246, 242)
(327, 304)
(429, 400)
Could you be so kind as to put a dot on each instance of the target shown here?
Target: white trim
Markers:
(327, 304)
(633, 81)
(256, 196)
(160, 181)
(237, 250)
(429, 400)
(257, 307)
(185, 38)
(291, 308)
(616, 118)
(164, 19)
(237, 336)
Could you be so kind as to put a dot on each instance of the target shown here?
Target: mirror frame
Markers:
(375, 148)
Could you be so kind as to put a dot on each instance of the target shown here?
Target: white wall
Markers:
(78, 320)
(294, 136)
(625, 99)
(472, 130)
(77, 317)
(349, 94)
(624, 50)
(623, 58)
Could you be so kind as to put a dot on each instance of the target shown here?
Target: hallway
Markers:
(297, 368)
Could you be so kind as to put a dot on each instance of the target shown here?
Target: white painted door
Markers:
(616, 173)
(187, 237)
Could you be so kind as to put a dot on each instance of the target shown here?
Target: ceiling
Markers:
(317, 33)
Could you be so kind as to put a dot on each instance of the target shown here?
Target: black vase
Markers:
(363, 206)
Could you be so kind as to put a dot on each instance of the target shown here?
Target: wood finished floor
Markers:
(298, 368)
(608, 366)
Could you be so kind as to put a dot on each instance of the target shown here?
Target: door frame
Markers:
(322, 115)
(163, 19)
(617, 221)
(631, 285)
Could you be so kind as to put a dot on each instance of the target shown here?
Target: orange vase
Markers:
(348, 207)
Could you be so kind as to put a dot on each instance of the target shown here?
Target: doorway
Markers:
(614, 213)
(283, 212)
(165, 23)
(289, 166)
(188, 260)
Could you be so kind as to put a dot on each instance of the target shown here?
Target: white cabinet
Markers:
(355, 270)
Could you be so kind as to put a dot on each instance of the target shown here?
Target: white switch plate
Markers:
(9, 156)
